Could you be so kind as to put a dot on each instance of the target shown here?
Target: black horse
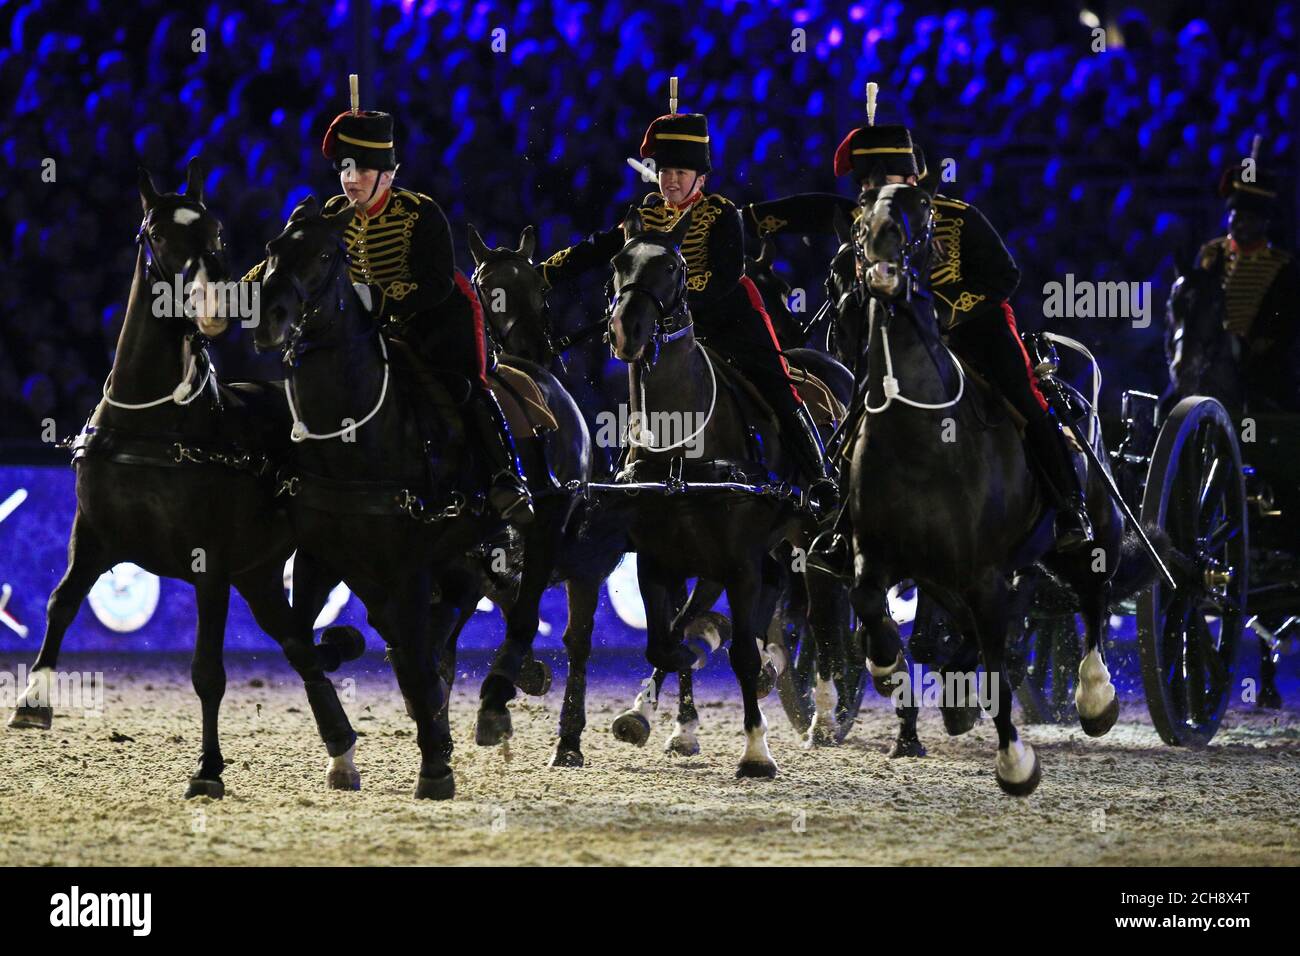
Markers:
(942, 492)
(171, 475)
(711, 436)
(369, 502)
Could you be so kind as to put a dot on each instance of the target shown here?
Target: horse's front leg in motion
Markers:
(827, 618)
(493, 725)
(583, 593)
(404, 624)
(684, 741)
(1095, 698)
(87, 560)
(744, 595)
(1017, 766)
(208, 673)
(885, 661)
(291, 628)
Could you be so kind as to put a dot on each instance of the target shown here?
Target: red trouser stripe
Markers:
(480, 344)
(756, 301)
(1029, 368)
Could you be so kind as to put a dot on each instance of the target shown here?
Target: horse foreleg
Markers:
(886, 662)
(263, 590)
(88, 558)
(684, 741)
(583, 593)
(1094, 695)
(208, 674)
(827, 618)
(745, 599)
(1017, 766)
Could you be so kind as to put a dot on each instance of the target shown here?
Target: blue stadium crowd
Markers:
(1101, 163)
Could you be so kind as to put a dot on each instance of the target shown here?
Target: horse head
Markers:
(649, 304)
(513, 297)
(893, 240)
(181, 240)
(306, 271)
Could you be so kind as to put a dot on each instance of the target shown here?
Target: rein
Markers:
(296, 347)
(499, 337)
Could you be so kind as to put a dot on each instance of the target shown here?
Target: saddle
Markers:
(522, 401)
(827, 410)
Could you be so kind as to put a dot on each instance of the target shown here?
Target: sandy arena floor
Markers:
(81, 794)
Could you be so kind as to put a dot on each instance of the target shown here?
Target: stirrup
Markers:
(830, 554)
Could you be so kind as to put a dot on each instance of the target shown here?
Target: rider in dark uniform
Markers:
(972, 277)
(1261, 291)
(401, 260)
(724, 303)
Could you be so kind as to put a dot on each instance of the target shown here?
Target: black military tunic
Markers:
(1261, 293)
(972, 274)
(401, 249)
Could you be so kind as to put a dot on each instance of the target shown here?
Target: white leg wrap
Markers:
(1016, 763)
(40, 690)
(756, 744)
(1094, 692)
(684, 737)
(647, 702)
(343, 763)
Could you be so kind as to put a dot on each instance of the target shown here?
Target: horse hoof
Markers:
(566, 757)
(682, 746)
(534, 678)
(492, 727)
(199, 787)
(343, 779)
(344, 643)
(31, 718)
(820, 735)
(766, 680)
(1269, 698)
(959, 720)
(756, 770)
(442, 787)
(1024, 789)
(907, 747)
(1099, 725)
(631, 728)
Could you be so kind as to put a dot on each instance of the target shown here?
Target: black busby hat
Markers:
(1258, 194)
(365, 137)
(678, 141)
(876, 150)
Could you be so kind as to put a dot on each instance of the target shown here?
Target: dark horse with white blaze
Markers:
(958, 512)
(172, 476)
(726, 533)
(369, 503)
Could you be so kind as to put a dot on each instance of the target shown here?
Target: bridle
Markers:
(312, 305)
(500, 336)
(672, 321)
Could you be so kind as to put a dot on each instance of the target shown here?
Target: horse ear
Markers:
(307, 206)
(339, 221)
(477, 248)
(843, 227)
(632, 225)
(194, 180)
(527, 243)
(148, 192)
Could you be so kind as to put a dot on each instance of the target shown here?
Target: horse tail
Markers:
(1135, 569)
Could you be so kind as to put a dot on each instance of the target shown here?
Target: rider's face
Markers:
(1246, 227)
(677, 185)
(363, 186)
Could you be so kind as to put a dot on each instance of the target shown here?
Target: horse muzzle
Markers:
(885, 278)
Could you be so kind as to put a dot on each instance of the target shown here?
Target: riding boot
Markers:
(1050, 448)
(507, 489)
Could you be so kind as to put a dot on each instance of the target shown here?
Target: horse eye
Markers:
(324, 257)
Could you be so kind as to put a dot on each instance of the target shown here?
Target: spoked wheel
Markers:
(1189, 638)
(1043, 668)
(797, 684)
